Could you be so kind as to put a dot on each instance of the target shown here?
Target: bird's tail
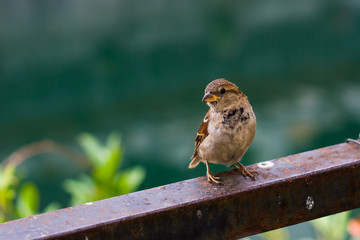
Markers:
(194, 162)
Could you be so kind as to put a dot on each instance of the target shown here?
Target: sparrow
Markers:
(227, 130)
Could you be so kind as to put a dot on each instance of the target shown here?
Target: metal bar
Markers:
(287, 191)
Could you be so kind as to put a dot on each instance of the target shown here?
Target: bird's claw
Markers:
(246, 173)
(357, 141)
(212, 178)
(353, 141)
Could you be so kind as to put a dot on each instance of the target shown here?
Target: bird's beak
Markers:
(210, 97)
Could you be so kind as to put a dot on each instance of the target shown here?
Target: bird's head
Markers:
(221, 94)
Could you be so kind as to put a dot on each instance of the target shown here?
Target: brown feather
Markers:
(200, 136)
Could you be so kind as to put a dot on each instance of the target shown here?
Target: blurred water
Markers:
(98, 66)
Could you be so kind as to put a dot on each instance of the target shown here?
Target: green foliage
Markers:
(16, 201)
(105, 180)
(8, 184)
(28, 199)
(332, 227)
(278, 234)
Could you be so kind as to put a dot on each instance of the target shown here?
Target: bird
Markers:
(226, 131)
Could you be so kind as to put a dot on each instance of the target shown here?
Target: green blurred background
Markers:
(141, 68)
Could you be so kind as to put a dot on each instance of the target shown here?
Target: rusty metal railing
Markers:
(287, 191)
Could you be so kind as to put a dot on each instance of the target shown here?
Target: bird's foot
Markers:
(353, 141)
(244, 172)
(357, 141)
(212, 178)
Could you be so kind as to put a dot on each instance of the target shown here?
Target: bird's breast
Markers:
(230, 135)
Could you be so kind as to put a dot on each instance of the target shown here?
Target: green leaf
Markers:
(105, 180)
(114, 140)
(28, 200)
(8, 182)
(111, 159)
(107, 171)
(332, 227)
(278, 234)
(93, 149)
(52, 207)
(82, 190)
(113, 143)
(130, 180)
(7, 176)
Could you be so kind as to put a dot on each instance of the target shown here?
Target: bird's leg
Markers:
(243, 171)
(210, 177)
(353, 140)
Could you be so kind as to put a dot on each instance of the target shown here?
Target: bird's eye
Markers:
(222, 90)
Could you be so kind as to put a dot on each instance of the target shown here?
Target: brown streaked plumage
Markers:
(227, 130)
(200, 136)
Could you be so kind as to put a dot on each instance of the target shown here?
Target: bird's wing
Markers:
(201, 134)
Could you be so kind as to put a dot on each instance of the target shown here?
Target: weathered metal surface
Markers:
(287, 191)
